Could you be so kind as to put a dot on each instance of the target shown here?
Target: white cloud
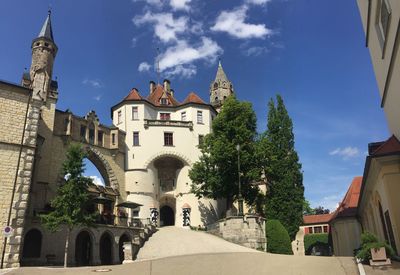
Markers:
(134, 42)
(144, 67)
(233, 23)
(258, 2)
(255, 51)
(98, 97)
(183, 71)
(166, 27)
(95, 83)
(346, 153)
(97, 180)
(331, 202)
(180, 4)
(182, 53)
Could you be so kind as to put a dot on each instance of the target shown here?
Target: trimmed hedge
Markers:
(278, 240)
(313, 239)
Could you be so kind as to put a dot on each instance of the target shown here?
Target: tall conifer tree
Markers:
(285, 196)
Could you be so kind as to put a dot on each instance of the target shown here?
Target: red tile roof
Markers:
(133, 95)
(348, 207)
(392, 145)
(317, 219)
(193, 98)
(158, 92)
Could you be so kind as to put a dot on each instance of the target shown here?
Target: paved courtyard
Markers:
(177, 251)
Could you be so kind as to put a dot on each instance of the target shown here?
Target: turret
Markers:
(44, 52)
(220, 89)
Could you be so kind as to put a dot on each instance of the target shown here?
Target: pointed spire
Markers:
(220, 73)
(47, 31)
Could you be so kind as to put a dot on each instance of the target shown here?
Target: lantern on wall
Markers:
(186, 214)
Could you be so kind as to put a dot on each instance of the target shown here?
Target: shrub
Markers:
(313, 239)
(370, 241)
(278, 240)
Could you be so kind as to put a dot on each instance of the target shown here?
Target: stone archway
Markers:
(32, 244)
(123, 239)
(106, 248)
(83, 249)
(167, 216)
(96, 157)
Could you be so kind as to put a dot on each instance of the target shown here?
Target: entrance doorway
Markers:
(32, 244)
(83, 249)
(124, 238)
(106, 249)
(167, 216)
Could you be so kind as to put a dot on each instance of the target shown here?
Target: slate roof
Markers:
(47, 31)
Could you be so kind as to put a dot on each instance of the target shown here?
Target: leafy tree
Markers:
(72, 197)
(215, 175)
(307, 210)
(278, 240)
(321, 210)
(285, 197)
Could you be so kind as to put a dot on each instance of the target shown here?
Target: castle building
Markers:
(144, 159)
(162, 138)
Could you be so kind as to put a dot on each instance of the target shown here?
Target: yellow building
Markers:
(381, 22)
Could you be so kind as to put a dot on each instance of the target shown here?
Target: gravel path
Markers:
(175, 241)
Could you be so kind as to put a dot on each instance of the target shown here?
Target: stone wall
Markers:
(248, 231)
(13, 111)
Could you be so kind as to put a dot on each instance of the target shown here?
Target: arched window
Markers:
(32, 244)
(215, 85)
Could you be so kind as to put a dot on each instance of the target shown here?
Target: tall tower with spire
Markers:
(44, 51)
(220, 88)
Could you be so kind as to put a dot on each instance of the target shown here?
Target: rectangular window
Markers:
(310, 230)
(384, 17)
(164, 101)
(135, 114)
(201, 139)
(165, 116)
(200, 117)
(135, 138)
(113, 139)
(325, 229)
(91, 135)
(168, 139)
(100, 138)
(183, 116)
(119, 117)
(83, 133)
(317, 229)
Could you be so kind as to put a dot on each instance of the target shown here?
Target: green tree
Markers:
(215, 175)
(285, 197)
(307, 210)
(72, 197)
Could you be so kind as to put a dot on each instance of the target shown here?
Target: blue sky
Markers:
(312, 52)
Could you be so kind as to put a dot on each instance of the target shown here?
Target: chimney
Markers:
(171, 92)
(152, 86)
(167, 85)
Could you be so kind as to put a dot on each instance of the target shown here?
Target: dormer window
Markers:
(215, 85)
(164, 101)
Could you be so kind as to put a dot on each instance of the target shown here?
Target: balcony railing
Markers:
(172, 123)
(122, 221)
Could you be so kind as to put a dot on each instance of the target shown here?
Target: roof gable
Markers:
(133, 95)
(392, 145)
(193, 98)
(349, 204)
(159, 93)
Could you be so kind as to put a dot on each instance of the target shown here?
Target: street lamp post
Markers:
(240, 199)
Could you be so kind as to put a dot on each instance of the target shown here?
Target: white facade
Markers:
(157, 169)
